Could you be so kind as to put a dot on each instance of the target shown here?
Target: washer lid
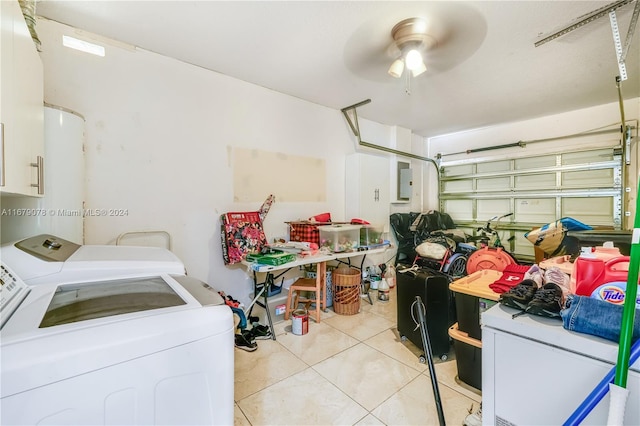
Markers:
(84, 301)
(201, 291)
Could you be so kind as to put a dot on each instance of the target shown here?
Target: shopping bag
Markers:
(241, 233)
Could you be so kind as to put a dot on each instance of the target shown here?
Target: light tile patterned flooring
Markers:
(347, 370)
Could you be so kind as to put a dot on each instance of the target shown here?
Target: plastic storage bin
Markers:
(340, 238)
(468, 357)
(597, 237)
(371, 235)
(473, 296)
(277, 305)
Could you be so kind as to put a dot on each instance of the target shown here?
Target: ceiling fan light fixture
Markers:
(413, 59)
(396, 68)
(417, 71)
(411, 38)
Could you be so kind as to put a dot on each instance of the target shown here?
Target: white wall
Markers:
(569, 123)
(159, 139)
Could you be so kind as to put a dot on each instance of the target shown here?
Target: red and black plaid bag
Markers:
(307, 231)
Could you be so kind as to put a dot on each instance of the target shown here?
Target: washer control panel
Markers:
(12, 292)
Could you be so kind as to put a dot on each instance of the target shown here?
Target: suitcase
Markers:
(433, 288)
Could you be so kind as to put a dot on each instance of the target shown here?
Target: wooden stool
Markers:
(316, 285)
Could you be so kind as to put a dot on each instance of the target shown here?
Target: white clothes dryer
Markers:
(46, 258)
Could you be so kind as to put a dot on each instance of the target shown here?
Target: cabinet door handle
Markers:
(1, 154)
(40, 166)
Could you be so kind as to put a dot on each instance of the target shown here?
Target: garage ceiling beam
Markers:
(582, 21)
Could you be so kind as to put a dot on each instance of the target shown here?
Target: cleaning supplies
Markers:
(613, 292)
(390, 276)
(383, 290)
(591, 272)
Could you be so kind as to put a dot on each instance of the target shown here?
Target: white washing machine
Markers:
(46, 258)
(534, 372)
(138, 349)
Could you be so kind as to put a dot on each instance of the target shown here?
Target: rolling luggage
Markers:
(433, 289)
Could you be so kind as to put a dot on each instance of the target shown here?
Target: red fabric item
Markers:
(322, 217)
(357, 221)
(511, 277)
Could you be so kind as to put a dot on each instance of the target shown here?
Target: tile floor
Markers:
(347, 370)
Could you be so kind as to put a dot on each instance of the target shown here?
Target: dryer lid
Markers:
(48, 259)
(48, 247)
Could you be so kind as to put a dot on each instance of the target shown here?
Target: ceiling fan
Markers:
(410, 44)
(445, 34)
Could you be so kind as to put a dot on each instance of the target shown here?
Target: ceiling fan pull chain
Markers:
(407, 83)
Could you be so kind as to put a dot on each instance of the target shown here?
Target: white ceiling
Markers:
(484, 70)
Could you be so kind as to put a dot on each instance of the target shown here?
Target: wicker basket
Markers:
(346, 291)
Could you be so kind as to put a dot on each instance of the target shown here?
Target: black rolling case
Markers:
(433, 289)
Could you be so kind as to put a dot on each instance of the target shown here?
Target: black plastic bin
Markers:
(473, 296)
(620, 238)
(468, 357)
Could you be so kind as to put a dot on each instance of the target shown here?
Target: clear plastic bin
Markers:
(339, 238)
(371, 235)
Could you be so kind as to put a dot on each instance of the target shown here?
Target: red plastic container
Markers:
(591, 273)
(488, 258)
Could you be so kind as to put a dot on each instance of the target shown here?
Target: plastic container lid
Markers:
(477, 284)
(339, 228)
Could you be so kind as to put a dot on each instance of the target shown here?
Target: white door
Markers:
(368, 189)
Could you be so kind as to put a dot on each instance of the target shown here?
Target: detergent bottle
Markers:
(390, 275)
(613, 292)
(591, 272)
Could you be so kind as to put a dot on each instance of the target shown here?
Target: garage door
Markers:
(585, 185)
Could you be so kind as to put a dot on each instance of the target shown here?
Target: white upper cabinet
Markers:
(21, 106)
(367, 188)
(401, 173)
